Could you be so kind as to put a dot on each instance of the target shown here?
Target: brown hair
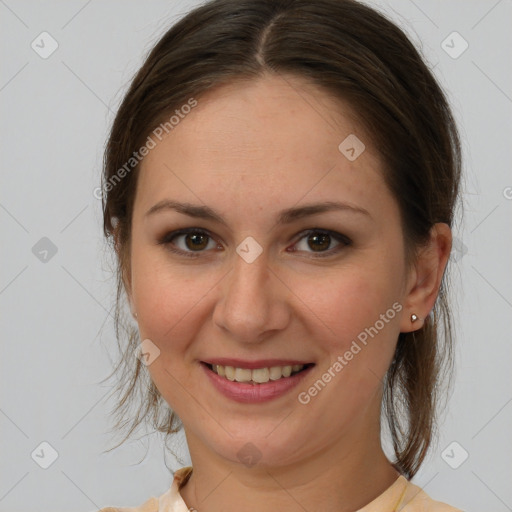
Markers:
(355, 54)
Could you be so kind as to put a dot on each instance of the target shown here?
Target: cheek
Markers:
(360, 314)
(170, 311)
(357, 316)
(348, 301)
(166, 297)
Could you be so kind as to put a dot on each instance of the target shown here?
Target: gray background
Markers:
(57, 338)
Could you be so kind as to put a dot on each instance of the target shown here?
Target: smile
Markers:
(256, 375)
(258, 384)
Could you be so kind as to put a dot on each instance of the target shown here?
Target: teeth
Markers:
(230, 372)
(242, 375)
(258, 375)
(275, 373)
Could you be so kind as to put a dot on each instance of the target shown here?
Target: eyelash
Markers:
(167, 241)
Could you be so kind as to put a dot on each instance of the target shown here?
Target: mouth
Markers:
(257, 376)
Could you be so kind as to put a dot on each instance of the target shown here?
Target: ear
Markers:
(425, 277)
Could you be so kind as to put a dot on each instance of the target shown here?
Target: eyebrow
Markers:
(285, 216)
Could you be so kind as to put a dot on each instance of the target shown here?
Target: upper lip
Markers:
(260, 363)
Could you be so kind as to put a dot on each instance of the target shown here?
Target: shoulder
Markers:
(170, 501)
(151, 505)
(415, 499)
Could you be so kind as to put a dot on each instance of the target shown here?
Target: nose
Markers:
(252, 303)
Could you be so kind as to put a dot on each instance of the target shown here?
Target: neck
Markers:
(344, 476)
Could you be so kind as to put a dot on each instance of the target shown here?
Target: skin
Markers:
(248, 151)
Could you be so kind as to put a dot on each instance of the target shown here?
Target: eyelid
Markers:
(343, 240)
(166, 240)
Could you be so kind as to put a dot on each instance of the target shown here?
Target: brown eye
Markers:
(196, 241)
(188, 242)
(321, 242)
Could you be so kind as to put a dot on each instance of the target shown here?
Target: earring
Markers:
(413, 318)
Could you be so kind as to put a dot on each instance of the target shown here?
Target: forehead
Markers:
(271, 116)
(272, 139)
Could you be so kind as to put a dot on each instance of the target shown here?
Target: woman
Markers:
(280, 184)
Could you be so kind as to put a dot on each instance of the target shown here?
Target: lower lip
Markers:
(254, 393)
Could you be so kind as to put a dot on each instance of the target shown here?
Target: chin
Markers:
(261, 446)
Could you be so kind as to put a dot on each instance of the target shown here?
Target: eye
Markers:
(189, 241)
(320, 241)
(193, 241)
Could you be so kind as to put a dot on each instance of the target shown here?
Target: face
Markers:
(259, 281)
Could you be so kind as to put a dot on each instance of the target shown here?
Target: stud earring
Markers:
(413, 318)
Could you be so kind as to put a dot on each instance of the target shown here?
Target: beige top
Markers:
(401, 496)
